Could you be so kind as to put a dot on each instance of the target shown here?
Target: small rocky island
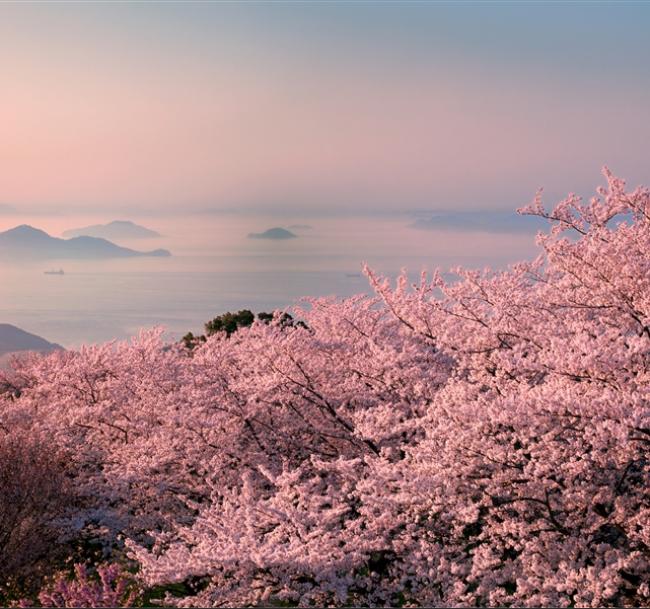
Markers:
(274, 234)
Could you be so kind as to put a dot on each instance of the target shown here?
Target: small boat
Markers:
(59, 272)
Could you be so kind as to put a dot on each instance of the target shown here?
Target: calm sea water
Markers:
(216, 268)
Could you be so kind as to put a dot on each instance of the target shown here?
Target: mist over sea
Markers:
(216, 268)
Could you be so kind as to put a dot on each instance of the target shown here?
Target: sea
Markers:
(216, 267)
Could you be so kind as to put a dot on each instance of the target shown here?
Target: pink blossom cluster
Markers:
(108, 589)
(479, 442)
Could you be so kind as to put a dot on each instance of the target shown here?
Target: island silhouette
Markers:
(117, 229)
(28, 242)
(276, 233)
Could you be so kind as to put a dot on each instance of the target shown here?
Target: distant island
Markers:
(118, 229)
(274, 234)
(13, 339)
(26, 242)
(487, 221)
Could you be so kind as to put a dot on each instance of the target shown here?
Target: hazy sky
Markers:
(355, 106)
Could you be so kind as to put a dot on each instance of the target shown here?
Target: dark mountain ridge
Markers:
(13, 339)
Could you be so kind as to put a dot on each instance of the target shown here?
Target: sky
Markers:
(344, 107)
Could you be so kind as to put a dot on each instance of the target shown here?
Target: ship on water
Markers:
(53, 272)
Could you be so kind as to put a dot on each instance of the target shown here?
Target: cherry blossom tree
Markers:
(108, 587)
(35, 495)
(476, 442)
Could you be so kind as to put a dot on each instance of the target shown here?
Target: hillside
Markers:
(14, 339)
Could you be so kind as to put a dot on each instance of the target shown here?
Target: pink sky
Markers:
(98, 111)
